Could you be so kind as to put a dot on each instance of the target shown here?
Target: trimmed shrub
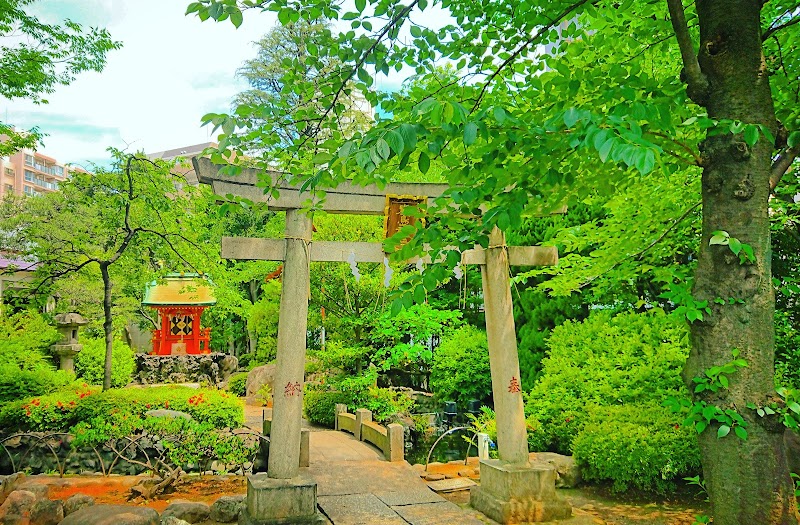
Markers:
(624, 359)
(637, 446)
(319, 405)
(237, 384)
(90, 362)
(62, 410)
(460, 370)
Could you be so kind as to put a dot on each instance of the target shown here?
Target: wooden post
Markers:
(289, 374)
(512, 441)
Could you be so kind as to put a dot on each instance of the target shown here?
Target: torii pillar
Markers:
(512, 489)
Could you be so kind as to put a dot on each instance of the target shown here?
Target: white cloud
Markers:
(172, 70)
(151, 96)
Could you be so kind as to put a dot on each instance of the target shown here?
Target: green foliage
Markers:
(237, 384)
(90, 362)
(700, 414)
(640, 446)
(319, 401)
(186, 442)
(26, 367)
(263, 322)
(460, 369)
(624, 359)
(401, 340)
(62, 410)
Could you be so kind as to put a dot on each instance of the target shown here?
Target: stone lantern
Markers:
(68, 347)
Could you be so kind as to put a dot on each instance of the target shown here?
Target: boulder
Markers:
(434, 477)
(9, 484)
(41, 491)
(19, 502)
(15, 519)
(77, 502)
(112, 515)
(190, 511)
(227, 508)
(568, 473)
(172, 520)
(46, 512)
(258, 377)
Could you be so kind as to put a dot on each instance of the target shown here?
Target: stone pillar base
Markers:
(273, 501)
(518, 493)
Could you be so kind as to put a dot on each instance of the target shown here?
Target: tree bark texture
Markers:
(748, 480)
(107, 325)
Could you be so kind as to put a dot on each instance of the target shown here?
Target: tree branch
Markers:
(772, 30)
(696, 81)
(782, 164)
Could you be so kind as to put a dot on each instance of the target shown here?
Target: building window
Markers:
(10, 172)
(9, 188)
(29, 160)
(28, 190)
(32, 177)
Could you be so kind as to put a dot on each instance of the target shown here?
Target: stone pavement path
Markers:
(356, 486)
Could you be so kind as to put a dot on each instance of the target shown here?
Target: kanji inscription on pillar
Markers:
(513, 386)
(292, 389)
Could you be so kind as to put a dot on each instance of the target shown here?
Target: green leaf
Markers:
(360, 5)
(751, 135)
(605, 149)
(424, 162)
(397, 306)
(793, 406)
(395, 141)
(419, 294)
(700, 426)
(794, 139)
(470, 133)
(719, 237)
(723, 381)
(383, 149)
(741, 433)
(723, 431)
(571, 116)
(236, 18)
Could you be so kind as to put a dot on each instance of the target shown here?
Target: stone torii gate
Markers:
(511, 488)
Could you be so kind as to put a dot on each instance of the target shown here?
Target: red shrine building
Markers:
(180, 300)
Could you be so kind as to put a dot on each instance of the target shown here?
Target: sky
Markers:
(171, 70)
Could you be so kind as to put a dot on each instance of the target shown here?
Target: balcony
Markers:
(32, 177)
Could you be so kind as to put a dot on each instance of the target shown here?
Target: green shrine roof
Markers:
(179, 289)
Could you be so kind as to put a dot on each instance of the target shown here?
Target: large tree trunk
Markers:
(107, 325)
(748, 481)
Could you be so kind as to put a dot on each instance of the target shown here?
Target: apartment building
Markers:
(29, 172)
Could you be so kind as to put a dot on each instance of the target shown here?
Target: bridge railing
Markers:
(387, 438)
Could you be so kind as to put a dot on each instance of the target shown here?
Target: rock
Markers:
(434, 477)
(19, 502)
(15, 519)
(112, 515)
(227, 508)
(46, 512)
(258, 377)
(9, 485)
(568, 473)
(450, 475)
(191, 511)
(172, 414)
(41, 491)
(466, 472)
(77, 502)
(172, 520)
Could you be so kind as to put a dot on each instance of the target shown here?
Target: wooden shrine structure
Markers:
(180, 300)
(533, 497)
